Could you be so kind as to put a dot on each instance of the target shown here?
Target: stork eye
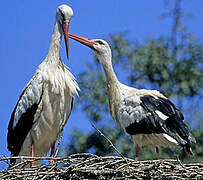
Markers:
(100, 42)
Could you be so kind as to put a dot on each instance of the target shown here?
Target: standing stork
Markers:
(46, 102)
(146, 115)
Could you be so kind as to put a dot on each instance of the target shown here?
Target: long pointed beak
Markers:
(66, 34)
(83, 40)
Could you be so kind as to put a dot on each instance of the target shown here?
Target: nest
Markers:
(90, 166)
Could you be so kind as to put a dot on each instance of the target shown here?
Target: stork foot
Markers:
(51, 162)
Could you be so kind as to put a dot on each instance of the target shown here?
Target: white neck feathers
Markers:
(54, 48)
(109, 71)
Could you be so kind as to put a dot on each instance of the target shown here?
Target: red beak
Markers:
(83, 40)
(66, 32)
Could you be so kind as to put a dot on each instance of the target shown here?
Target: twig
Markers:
(178, 160)
(111, 144)
(109, 141)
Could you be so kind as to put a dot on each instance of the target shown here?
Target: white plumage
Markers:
(146, 115)
(45, 103)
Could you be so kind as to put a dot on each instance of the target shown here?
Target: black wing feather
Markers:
(174, 125)
(17, 131)
(175, 120)
(17, 135)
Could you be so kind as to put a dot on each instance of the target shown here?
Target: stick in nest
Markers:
(109, 141)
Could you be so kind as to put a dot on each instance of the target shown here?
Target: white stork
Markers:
(146, 115)
(46, 102)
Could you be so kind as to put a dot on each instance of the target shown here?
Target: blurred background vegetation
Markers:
(172, 64)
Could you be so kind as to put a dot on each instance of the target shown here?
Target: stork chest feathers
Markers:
(57, 78)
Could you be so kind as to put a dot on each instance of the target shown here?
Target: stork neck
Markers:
(54, 49)
(110, 73)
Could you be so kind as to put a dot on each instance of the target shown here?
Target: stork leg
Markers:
(137, 152)
(51, 162)
(157, 152)
(32, 154)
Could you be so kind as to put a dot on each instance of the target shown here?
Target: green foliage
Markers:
(173, 65)
(93, 96)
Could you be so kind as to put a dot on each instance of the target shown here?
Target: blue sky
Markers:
(26, 28)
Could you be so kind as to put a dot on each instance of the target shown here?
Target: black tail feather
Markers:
(188, 149)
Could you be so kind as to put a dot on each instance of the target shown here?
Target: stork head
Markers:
(101, 47)
(64, 14)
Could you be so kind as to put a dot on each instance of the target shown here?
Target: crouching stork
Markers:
(146, 115)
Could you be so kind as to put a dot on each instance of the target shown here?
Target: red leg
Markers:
(157, 152)
(52, 154)
(32, 154)
(137, 151)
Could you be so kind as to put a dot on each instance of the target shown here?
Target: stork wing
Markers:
(22, 117)
(167, 116)
(156, 115)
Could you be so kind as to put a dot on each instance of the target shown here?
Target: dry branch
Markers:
(108, 140)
